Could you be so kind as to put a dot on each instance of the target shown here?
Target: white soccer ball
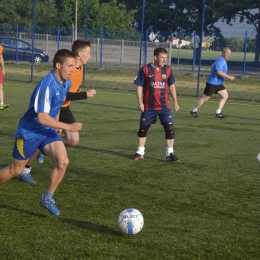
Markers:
(131, 221)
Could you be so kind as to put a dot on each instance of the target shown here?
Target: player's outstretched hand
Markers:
(91, 93)
(74, 127)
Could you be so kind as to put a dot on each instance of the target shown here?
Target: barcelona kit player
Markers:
(155, 82)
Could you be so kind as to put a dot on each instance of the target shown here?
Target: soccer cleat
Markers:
(4, 106)
(26, 177)
(137, 157)
(172, 158)
(194, 114)
(219, 115)
(40, 158)
(50, 206)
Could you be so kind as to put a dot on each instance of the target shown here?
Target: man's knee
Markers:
(72, 142)
(63, 162)
(169, 130)
(70, 139)
(16, 170)
(143, 131)
(205, 97)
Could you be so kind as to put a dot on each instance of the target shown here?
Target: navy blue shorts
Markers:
(25, 149)
(149, 117)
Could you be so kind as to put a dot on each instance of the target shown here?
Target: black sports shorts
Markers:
(212, 89)
(66, 115)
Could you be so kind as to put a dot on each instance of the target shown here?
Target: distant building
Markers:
(178, 43)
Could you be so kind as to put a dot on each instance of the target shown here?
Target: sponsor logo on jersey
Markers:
(157, 84)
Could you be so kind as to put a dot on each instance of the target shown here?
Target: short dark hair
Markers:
(157, 51)
(79, 45)
(61, 56)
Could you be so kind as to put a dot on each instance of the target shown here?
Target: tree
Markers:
(8, 12)
(186, 15)
(111, 15)
(234, 9)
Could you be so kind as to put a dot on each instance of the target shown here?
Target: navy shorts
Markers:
(149, 117)
(212, 89)
(25, 149)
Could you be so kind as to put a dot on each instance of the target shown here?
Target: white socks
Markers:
(194, 109)
(26, 170)
(218, 111)
(169, 151)
(140, 150)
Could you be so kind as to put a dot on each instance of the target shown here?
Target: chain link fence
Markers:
(125, 48)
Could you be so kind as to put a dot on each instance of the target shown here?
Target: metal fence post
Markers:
(146, 47)
(101, 46)
(245, 50)
(58, 38)
(200, 47)
(194, 51)
(33, 32)
(86, 37)
(141, 36)
(122, 52)
(17, 32)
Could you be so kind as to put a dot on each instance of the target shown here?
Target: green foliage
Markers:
(205, 207)
(110, 15)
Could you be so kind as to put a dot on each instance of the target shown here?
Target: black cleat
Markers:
(219, 115)
(194, 114)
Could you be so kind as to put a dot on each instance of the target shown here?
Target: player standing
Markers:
(154, 82)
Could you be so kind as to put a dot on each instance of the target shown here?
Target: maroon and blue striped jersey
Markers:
(155, 83)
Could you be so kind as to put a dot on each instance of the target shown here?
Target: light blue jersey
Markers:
(47, 97)
(219, 64)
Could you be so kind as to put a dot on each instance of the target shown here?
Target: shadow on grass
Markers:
(109, 152)
(91, 226)
(105, 105)
(22, 210)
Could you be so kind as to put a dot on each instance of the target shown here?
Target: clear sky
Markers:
(237, 29)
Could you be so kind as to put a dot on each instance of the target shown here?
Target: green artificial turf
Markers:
(205, 207)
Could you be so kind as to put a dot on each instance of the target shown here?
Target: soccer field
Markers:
(205, 207)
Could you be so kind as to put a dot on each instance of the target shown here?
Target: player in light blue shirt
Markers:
(39, 128)
(214, 84)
